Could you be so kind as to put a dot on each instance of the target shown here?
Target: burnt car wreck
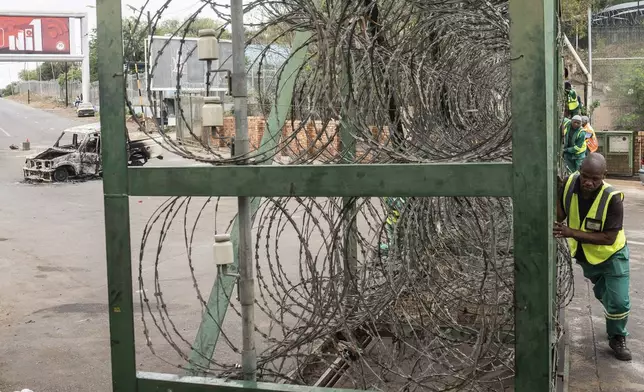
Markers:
(77, 154)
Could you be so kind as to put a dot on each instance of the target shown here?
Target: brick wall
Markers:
(310, 140)
(638, 152)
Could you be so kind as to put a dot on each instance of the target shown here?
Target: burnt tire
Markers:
(61, 175)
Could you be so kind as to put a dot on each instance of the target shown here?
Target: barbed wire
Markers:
(412, 293)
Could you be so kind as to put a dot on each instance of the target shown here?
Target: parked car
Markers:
(85, 109)
(77, 154)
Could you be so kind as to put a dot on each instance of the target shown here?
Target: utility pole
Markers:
(246, 277)
(40, 77)
(66, 85)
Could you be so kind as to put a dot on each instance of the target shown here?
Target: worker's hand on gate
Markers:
(562, 231)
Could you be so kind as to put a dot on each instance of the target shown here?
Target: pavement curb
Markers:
(563, 354)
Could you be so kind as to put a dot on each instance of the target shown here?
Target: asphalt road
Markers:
(54, 333)
(53, 286)
(19, 123)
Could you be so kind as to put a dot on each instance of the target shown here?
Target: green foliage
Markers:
(574, 14)
(93, 57)
(10, 89)
(135, 32)
(28, 74)
(629, 92)
(277, 33)
(73, 74)
(190, 28)
(588, 111)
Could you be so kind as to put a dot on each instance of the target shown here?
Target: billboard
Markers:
(169, 59)
(34, 35)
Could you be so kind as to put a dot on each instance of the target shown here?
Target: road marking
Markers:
(635, 242)
(5, 132)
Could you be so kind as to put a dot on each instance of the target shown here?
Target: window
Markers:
(68, 140)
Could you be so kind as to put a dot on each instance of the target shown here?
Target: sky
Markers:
(178, 9)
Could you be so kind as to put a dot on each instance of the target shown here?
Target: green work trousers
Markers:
(610, 284)
(573, 162)
(384, 247)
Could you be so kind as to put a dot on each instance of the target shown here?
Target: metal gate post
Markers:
(533, 56)
(117, 213)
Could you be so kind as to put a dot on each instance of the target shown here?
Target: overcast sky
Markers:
(177, 9)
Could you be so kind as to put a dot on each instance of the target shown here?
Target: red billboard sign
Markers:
(34, 35)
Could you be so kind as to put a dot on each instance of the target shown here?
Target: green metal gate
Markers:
(529, 179)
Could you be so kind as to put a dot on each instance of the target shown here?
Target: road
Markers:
(19, 123)
(53, 289)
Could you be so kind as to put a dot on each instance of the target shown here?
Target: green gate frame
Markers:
(530, 179)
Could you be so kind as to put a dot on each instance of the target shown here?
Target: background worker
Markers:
(591, 138)
(594, 211)
(573, 102)
(394, 206)
(574, 149)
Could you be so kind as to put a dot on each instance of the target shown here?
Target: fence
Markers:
(256, 81)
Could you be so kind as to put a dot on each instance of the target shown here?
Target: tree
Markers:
(74, 74)
(28, 74)
(629, 93)
(10, 89)
(574, 14)
(190, 27)
(135, 32)
(93, 57)
(272, 33)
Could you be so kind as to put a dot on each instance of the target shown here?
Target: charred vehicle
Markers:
(77, 154)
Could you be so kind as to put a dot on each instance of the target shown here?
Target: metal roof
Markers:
(620, 14)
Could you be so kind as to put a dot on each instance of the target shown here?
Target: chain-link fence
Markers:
(258, 80)
(618, 82)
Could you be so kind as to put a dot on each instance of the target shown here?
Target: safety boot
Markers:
(618, 344)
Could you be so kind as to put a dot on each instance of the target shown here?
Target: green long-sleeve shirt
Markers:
(575, 140)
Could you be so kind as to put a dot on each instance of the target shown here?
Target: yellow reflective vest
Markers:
(573, 103)
(580, 134)
(395, 204)
(594, 221)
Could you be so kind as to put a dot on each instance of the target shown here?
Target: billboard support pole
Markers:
(85, 36)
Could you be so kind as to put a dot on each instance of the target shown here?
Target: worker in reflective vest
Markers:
(395, 205)
(574, 149)
(594, 212)
(572, 100)
(591, 138)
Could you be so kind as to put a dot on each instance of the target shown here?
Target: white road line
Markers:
(635, 242)
(5, 132)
